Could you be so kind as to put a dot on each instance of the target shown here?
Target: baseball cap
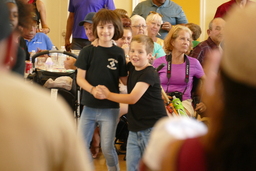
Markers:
(88, 18)
(4, 21)
(239, 54)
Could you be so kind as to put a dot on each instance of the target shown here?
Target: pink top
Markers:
(177, 80)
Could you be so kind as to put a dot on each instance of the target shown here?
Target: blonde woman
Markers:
(178, 78)
(154, 21)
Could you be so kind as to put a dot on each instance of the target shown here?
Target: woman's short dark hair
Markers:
(104, 16)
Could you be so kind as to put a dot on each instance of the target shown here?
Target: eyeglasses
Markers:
(153, 12)
(139, 26)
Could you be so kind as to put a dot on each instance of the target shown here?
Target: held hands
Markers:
(166, 26)
(100, 92)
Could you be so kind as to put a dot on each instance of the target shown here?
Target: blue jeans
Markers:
(136, 144)
(107, 120)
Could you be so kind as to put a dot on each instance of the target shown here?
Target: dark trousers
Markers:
(78, 44)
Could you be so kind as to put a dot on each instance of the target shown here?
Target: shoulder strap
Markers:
(169, 67)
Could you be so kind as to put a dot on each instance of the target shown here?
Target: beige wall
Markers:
(124, 4)
(56, 19)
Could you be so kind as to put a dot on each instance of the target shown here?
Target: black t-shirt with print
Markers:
(150, 107)
(104, 66)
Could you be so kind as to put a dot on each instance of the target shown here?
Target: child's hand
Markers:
(99, 92)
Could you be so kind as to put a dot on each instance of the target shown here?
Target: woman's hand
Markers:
(200, 107)
(166, 26)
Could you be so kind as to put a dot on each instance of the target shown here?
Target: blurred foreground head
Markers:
(239, 59)
(230, 142)
(233, 103)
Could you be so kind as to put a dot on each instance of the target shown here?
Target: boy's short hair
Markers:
(145, 40)
(196, 30)
(105, 16)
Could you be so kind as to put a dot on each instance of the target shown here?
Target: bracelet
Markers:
(91, 89)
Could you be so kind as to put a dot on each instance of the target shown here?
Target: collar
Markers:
(211, 43)
(164, 5)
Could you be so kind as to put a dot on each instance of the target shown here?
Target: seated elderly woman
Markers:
(181, 68)
(138, 25)
(154, 21)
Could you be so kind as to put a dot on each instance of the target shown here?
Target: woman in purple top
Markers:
(182, 68)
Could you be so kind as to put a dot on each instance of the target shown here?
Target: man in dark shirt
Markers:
(215, 33)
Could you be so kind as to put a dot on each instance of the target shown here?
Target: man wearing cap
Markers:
(87, 24)
(77, 10)
(33, 135)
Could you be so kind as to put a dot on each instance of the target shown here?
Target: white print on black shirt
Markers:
(112, 64)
